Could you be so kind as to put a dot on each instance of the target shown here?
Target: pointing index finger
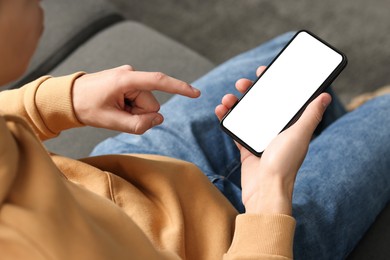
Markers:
(159, 81)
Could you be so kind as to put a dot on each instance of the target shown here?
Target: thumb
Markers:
(135, 124)
(139, 124)
(312, 115)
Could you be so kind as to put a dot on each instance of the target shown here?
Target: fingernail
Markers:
(195, 89)
(156, 120)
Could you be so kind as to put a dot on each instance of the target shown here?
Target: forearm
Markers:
(45, 103)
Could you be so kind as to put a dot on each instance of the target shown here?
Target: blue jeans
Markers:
(342, 185)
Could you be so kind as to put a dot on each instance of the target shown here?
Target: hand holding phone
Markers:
(299, 73)
(267, 182)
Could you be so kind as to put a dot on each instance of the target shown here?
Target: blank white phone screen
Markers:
(282, 91)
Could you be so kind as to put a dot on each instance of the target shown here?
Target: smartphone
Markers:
(298, 74)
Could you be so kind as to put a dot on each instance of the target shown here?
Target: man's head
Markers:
(21, 25)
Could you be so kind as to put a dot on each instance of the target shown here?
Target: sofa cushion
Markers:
(67, 25)
(135, 44)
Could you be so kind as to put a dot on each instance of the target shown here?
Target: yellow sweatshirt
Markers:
(112, 207)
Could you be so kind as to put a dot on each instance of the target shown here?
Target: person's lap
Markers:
(331, 183)
(344, 182)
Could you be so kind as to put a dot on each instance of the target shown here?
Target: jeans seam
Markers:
(232, 167)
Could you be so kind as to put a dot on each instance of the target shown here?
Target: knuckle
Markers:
(139, 128)
(127, 67)
(137, 131)
(159, 76)
(156, 107)
(140, 132)
(318, 116)
(183, 85)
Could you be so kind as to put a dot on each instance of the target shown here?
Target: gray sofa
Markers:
(90, 35)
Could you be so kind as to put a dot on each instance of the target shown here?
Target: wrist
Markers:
(273, 197)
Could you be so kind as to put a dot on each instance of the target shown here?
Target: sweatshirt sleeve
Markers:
(262, 237)
(46, 104)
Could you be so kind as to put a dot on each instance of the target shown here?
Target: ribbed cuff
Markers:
(54, 103)
(263, 235)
